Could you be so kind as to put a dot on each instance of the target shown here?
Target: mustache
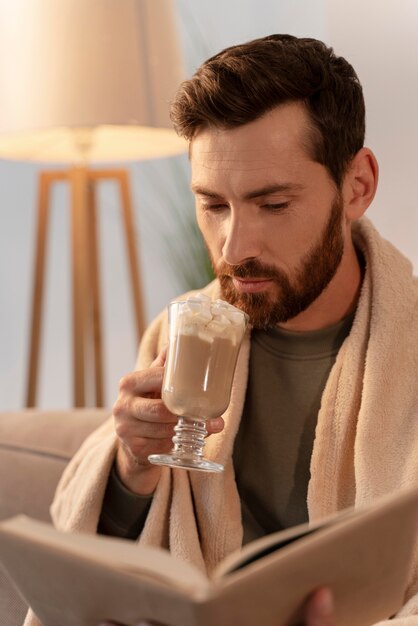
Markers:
(250, 269)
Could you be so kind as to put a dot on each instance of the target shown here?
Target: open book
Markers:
(80, 580)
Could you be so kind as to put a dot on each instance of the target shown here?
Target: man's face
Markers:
(271, 217)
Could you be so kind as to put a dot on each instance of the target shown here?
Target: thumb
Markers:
(320, 608)
(215, 425)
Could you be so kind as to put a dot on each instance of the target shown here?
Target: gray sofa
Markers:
(35, 447)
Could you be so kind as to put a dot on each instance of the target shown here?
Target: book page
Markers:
(79, 580)
(155, 564)
(364, 555)
(281, 540)
(270, 543)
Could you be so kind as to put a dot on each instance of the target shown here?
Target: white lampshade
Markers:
(89, 75)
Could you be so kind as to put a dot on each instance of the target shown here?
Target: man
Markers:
(324, 408)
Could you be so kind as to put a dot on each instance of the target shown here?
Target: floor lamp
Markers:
(87, 323)
(92, 85)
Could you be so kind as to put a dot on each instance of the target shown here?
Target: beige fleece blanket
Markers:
(366, 440)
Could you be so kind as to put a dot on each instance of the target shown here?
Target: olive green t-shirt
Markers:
(287, 375)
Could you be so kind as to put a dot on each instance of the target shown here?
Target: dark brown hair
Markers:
(241, 83)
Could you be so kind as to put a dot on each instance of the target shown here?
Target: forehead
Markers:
(278, 141)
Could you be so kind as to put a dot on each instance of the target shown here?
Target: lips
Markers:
(251, 285)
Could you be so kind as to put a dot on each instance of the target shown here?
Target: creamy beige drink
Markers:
(204, 344)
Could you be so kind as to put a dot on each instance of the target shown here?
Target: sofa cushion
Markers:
(35, 447)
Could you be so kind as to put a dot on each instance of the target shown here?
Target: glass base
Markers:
(170, 460)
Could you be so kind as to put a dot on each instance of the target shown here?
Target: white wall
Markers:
(381, 41)
(374, 37)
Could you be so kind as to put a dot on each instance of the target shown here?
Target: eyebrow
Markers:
(256, 193)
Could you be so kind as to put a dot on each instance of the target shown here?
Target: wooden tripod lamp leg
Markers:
(87, 336)
(79, 205)
(94, 285)
(133, 258)
(38, 287)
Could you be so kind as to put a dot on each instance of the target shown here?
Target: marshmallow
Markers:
(205, 318)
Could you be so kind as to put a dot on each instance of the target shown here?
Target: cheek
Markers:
(211, 230)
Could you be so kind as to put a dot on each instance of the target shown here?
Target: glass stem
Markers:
(189, 439)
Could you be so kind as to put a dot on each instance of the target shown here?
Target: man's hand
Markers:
(145, 426)
(318, 611)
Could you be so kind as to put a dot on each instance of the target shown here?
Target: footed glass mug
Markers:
(204, 341)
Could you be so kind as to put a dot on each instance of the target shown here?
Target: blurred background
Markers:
(379, 38)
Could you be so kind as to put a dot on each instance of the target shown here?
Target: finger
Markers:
(136, 429)
(319, 609)
(152, 410)
(144, 381)
(143, 409)
(152, 446)
(160, 359)
(137, 451)
(215, 425)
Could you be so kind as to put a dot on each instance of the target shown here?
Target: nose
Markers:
(242, 240)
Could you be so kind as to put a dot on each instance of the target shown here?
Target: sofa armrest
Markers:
(35, 447)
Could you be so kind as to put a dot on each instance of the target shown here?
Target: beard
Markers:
(315, 272)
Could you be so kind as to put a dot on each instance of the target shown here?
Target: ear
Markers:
(360, 183)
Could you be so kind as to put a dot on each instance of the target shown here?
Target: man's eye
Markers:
(279, 206)
(215, 207)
